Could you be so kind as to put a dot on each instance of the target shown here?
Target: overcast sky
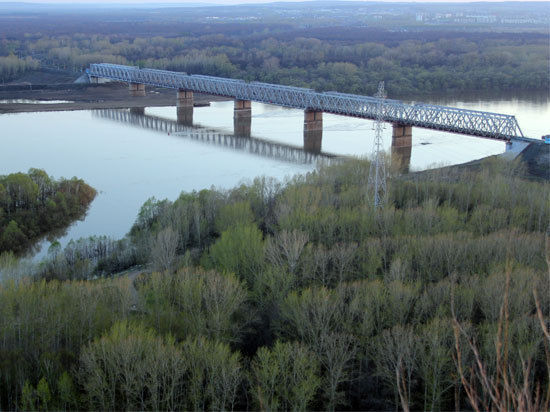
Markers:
(214, 1)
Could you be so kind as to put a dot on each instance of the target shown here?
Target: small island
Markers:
(33, 204)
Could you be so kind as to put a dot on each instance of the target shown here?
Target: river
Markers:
(127, 163)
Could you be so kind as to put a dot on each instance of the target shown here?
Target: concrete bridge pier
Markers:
(401, 147)
(136, 89)
(242, 126)
(242, 109)
(185, 107)
(185, 98)
(401, 159)
(94, 80)
(242, 118)
(313, 131)
(402, 135)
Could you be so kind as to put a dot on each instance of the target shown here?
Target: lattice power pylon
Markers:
(377, 172)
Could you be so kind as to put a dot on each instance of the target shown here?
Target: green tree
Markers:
(214, 375)
(28, 397)
(194, 303)
(13, 238)
(239, 250)
(131, 368)
(234, 214)
(66, 392)
(285, 377)
(43, 394)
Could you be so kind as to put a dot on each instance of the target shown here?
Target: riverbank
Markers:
(535, 157)
(87, 97)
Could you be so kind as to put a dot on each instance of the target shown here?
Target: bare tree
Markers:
(337, 350)
(286, 248)
(316, 266)
(435, 362)
(319, 317)
(400, 270)
(163, 250)
(396, 361)
(342, 256)
(502, 387)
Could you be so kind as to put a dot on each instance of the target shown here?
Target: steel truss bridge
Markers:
(471, 122)
(252, 145)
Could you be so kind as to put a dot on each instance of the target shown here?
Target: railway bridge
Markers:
(402, 116)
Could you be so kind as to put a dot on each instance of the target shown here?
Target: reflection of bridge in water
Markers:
(402, 116)
(241, 140)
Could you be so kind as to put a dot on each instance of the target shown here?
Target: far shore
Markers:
(105, 96)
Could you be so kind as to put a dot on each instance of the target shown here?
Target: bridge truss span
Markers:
(471, 122)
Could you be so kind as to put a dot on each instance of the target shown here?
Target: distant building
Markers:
(518, 21)
(482, 18)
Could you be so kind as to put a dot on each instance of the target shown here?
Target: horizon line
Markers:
(73, 3)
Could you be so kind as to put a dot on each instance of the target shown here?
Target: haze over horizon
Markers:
(231, 2)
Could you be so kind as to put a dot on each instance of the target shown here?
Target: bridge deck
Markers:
(471, 122)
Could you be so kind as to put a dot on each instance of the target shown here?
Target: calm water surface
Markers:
(127, 163)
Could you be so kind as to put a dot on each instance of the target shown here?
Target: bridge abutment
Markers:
(94, 80)
(136, 89)
(185, 98)
(313, 131)
(401, 147)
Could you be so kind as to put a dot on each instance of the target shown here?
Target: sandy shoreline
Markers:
(107, 96)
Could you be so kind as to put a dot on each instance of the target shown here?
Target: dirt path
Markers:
(135, 295)
(132, 274)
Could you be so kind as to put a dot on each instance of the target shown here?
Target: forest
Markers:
(283, 295)
(274, 47)
(11, 66)
(296, 295)
(33, 204)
